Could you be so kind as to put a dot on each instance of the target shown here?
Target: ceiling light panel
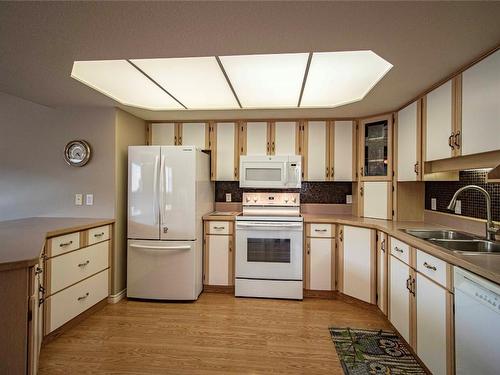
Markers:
(266, 81)
(338, 78)
(197, 82)
(119, 80)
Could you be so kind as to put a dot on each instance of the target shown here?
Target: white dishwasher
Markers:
(477, 324)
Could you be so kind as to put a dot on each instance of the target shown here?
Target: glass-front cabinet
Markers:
(376, 149)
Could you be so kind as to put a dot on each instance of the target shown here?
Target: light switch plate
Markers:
(228, 197)
(348, 199)
(433, 204)
(458, 208)
(78, 199)
(89, 199)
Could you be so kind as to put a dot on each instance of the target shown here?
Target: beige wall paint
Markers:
(129, 131)
(34, 178)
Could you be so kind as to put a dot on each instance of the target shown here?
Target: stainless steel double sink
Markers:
(456, 241)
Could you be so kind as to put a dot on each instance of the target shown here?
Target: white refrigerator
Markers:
(169, 191)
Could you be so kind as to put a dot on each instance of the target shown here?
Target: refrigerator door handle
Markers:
(161, 248)
(163, 181)
(156, 202)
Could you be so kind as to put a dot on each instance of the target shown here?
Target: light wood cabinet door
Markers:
(376, 199)
(399, 297)
(341, 157)
(164, 134)
(226, 151)
(481, 106)
(257, 142)
(408, 143)
(317, 168)
(438, 122)
(382, 255)
(433, 317)
(321, 263)
(193, 134)
(358, 263)
(285, 138)
(218, 249)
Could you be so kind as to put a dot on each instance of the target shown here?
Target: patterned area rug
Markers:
(373, 352)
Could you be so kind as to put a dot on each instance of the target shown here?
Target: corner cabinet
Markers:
(375, 199)
(357, 263)
(319, 257)
(375, 146)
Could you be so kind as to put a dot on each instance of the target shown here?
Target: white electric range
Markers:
(269, 246)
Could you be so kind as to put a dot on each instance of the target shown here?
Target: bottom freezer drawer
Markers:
(68, 303)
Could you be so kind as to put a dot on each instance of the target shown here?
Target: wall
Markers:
(34, 178)
(473, 203)
(310, 192)
(129, 130)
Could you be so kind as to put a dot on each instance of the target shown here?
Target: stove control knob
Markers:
(286, 200)
(255, 200)
(294, 200)
(248, 199)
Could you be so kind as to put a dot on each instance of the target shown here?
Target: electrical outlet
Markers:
(228, 197)
(89, 199)
(458, 208)
(348, 199)
(433, 204)
(78, 199)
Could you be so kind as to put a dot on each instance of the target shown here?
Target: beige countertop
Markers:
(22, 240)
(485, 265)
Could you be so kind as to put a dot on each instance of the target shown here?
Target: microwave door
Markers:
(266, 175)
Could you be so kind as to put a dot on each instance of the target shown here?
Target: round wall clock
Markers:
(77, 153)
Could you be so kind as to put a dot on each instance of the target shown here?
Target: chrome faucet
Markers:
(491, 230)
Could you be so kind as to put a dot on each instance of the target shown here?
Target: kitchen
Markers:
(213, 196)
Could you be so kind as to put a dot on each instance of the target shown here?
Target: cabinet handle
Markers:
(331, 173)
(327, 172)
(457, 140)
(235, 173)
(320, 230)
(450, 140)
(398, 250)
(180, 140)
(408, 280)
(99, 234)
(65, 244)
(274, 147)
(341, 234)
(175, 140)
(219, 227)
(428, 266)
(413, 287)
(84, 264)
(268, 149)
(382, 245)
(361, 171)
(415, 168)
(361, 191)
(83, 297)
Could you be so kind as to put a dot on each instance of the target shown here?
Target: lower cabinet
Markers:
(382, 259)
(399, 297)
(320, 257)
(357, 263)
(376, 199)
(218, 253)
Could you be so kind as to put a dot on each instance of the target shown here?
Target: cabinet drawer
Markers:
(432, 267)
(98, 234)
(68, 269)
(63, 244)
(219, 227)
(65, 305)
(322, 230)
(400, 250)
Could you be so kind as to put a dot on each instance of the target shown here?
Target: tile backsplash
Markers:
(473, 203)
(310, 192)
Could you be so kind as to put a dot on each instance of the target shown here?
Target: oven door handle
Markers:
(269, 225)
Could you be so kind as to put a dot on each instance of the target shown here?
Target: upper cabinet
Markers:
(438, 121)
(328, 149)
(194, 134)
(270, 138)
(375, 148)
(481, 106)
(224, 151)
(408, 141)
(284, 138)
(164, 134)
(255, 138)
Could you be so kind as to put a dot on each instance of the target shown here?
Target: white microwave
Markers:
(274, 172)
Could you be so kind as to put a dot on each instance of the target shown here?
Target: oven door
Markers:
(267, 174)
(269, 250)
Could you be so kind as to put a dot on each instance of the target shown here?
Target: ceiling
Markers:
(425, 41)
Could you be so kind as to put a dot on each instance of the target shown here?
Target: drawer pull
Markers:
(84, 264)
(427, 265)
(320, 230)
(83, 297)
(219, 227)
(65, 244)
(398, 250)
(99, 234)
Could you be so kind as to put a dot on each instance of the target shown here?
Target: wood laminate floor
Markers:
(218, 334)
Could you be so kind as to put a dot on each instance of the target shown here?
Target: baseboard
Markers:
(115, 298)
